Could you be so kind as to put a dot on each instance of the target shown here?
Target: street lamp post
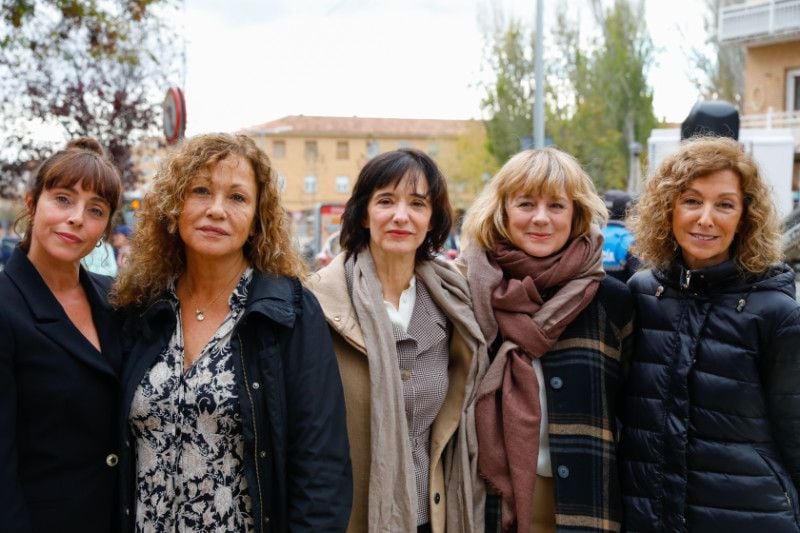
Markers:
(538, 64)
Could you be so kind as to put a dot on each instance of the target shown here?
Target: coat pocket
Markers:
(786, 486)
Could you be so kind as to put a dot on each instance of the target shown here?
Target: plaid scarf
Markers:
(508, 413)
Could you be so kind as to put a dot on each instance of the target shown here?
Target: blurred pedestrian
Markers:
(712, 425)
(59, 354)
(409, 351)
(120, 240)
(101, 260)
(618, 259)
(558, 332)
(233, 414)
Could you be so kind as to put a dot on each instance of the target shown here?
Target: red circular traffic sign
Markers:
(174, 108)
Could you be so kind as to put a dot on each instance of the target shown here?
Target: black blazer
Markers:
(58, 403)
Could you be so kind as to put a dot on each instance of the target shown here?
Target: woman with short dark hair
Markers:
(711, 440)
(409, 351)
(59, 353)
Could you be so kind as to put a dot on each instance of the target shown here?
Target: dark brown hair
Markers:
(389, 169)
(82, 160)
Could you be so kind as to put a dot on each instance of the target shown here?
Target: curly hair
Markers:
(536, 173)
(157, 251)
(82, 160)
(757, 244)
(389, 169)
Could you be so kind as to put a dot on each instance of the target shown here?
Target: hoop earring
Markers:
(99, 243)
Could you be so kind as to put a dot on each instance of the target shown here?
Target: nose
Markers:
(216, 208)
(539, 215)
(706, 218)
(76, 214)
(400, 212)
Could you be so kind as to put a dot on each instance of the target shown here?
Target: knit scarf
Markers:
(508, 413)
(392, 485)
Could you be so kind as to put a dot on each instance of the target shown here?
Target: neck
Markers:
(206, 277)
(394, 272)
(57, 276)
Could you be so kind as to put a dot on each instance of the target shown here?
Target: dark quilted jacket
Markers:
(712, 414)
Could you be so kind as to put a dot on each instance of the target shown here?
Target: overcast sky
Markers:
(251, 61)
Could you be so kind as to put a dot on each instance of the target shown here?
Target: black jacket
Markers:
(58, 407)
(297, 459)
(712, 435)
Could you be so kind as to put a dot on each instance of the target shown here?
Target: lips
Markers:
(213, 231)
(69, 237)
(538, 236)
(701, 237)
(399, 233)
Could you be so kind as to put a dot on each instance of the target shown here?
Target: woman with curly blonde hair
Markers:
(558, 332)
(712, 433)
(233, 412)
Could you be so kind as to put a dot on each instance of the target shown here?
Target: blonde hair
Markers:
(157, 251)
(757, 244)
(542, 172)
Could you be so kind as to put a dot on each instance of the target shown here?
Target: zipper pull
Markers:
(687, 279)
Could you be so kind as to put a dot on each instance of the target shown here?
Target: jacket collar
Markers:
(51, 319)
(330, 288)
(273, 296)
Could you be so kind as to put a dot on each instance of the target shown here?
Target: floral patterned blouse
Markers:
(188, 431)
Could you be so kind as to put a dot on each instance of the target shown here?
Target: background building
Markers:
(769, 30)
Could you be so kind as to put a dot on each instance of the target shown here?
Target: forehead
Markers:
(543, 190)
(409, 183)
(233, 168)
(81, 186)
(717, 183)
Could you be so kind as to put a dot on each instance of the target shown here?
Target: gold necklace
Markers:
(200, 314)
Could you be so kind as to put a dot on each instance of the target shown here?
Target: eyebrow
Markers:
(725, 193)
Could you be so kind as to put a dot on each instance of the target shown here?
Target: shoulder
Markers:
(643, 281)
(616, 298)
(102, 282)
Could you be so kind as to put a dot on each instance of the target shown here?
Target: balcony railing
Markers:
(754, 21)
(770, 119)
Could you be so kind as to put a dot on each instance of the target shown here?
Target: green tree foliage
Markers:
(93, 67)
(718, 70)
(598, 99)
(509, 97)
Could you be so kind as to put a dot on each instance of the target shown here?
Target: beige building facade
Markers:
(318, 158)
(769, 31)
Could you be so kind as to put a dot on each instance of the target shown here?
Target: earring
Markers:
(99, 243)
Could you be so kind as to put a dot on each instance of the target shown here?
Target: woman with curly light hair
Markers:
(712, 434)
(558, 331)
(233, 412)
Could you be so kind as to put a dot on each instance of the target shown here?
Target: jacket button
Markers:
(563, 472)
(127, 511)
(262, 454)
(256, 385)
(337, 318)
(556, 382)
(405, 375)
(127, 444)
(437, 498)
(112, 460)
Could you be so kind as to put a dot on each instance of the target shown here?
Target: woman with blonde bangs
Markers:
(559, 333)
(712, 434)
(233, 413)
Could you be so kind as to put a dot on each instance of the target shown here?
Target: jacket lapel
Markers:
(52, 321)
(330, 288)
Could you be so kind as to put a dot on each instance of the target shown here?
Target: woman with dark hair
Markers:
(59, 354)
(559, 330)
(233, 414)
(409, 351)
(712, 434)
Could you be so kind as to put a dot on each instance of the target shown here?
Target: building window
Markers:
(342, 184)
(793, 90)
(310, 184)
(342, 150)
(403, 144)
(281, 182)
(311, 150)
(278, 149)
(372, 149)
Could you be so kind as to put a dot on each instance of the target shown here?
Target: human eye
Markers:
(728, 205)
(200, 190)
(690, 200)
(97, 211)
(62, 199)
(558, 205)
(238, 197)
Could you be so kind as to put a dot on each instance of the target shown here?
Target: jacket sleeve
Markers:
(781, 376)
(13, 510)
(320, 490)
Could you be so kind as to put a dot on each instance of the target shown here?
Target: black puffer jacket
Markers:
(712, 431)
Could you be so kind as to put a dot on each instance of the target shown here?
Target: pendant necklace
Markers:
(200, 314)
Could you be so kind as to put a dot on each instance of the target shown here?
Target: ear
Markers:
(29, 204)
